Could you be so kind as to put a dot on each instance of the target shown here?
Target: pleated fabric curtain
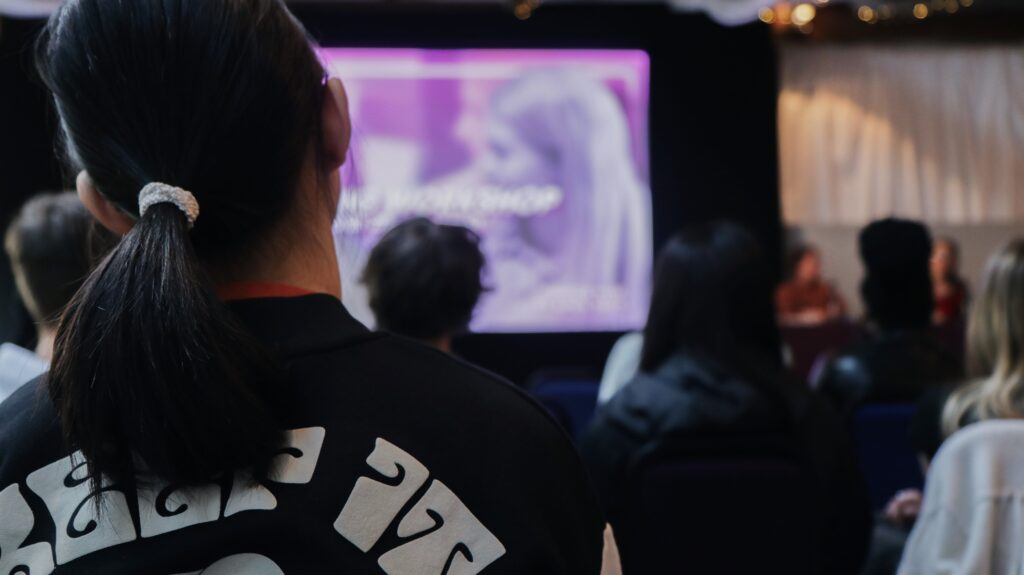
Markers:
(928, 132)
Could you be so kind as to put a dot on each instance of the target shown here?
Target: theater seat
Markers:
(571, 400)
(703, 511)
(888, 461)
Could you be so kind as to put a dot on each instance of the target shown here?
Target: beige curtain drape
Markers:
(928, 132)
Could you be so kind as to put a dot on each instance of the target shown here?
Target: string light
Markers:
(800, 14)
(782, 14)
(803, 14)
(524, 8)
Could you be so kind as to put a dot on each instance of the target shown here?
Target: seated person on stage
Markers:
(969, 521)
(711, 363)
(899, 359)
(807, 299)
(424, 281)
(52, 244)
(951, 293)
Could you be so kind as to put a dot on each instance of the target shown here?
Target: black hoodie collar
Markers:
(302, 325)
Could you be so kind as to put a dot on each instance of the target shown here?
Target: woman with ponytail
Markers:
(211, 405)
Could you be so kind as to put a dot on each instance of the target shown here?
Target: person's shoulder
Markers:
(10, 352)
(848, 375)
(863, 351)
(664, 397)
(626, 351)
(416, 356)
(855, 355)
(17, 366)
(26, 406)
(522, 437)
(454, 380)
(629, 342)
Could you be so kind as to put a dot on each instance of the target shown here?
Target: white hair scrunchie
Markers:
(157, 193)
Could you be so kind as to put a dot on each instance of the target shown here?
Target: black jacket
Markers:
(695, 397)
(889, 367)
(401, 460)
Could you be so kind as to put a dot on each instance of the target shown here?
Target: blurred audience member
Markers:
(970, 517)
(950, 289)
(995, 346)
(621, 366)
(711, 364)
(893, 524)
(969, 523)
(807, 299)
(424, 280)
(18, 366)
(52, 245)
(899, 359)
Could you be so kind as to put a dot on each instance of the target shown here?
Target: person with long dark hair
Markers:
(711, 366)
(212, 407)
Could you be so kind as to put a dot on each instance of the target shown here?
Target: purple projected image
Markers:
(541, 152)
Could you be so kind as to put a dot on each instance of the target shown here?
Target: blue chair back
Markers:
(887, 459)
(571, 401)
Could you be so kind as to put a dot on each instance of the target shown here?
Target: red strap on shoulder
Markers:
(257, 290)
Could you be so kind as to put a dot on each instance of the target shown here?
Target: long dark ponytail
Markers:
(151, 371)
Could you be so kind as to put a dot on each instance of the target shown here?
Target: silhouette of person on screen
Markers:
(587, 260)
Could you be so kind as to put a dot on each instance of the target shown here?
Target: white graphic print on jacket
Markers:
(439, 534)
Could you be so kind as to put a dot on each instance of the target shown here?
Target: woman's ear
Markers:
(106, 213)
(337, 127)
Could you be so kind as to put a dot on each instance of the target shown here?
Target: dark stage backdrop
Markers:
(713, 148)
(27, 163)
